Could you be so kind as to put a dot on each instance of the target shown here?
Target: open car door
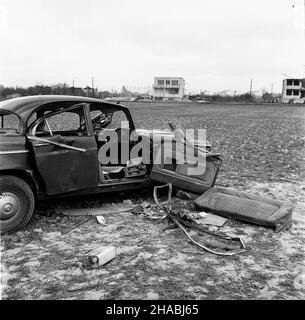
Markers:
(196, 173)
(65, 154)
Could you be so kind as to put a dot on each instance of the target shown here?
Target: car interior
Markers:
(113, 123)
(107, 121)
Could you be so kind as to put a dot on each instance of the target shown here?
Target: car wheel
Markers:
(17, 203)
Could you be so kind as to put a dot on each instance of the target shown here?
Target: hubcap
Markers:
(9, 205)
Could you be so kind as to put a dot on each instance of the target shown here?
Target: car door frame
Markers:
(66, 173)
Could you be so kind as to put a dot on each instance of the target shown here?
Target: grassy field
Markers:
(262, 145)
(259, 142)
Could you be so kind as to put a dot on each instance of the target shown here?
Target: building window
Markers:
(296, 82)
(168, 82)
(288, 92)
(289, 82)
(296, 92)
(160, 82)
(174, 82)
(173, 90)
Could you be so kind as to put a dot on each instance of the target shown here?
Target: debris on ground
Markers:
(148, 211)
(109, 209)
(213, 220)
(137, 210)
(197, 215)
(68, 230)
(183, 195)
(183, 224)
(247, 207)
(101, 220)
(99, 257)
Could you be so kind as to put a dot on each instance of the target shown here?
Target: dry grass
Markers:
(260, 144)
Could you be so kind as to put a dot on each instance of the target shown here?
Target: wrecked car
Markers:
(50, 147)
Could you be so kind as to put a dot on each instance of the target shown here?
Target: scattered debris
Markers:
(182, 223)
(147, 211)
(213, 220)
(183, 195)
(118, 208)
(145, 205)
(74, 227)
(197, 215)
(137, 210)
(99, 257)
(129, 259)
(101, 220)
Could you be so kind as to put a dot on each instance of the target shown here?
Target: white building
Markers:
(168, 89)
(291, 91)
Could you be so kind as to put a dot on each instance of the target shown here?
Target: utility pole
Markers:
(272, 90)
(92, 86)
(251, 89)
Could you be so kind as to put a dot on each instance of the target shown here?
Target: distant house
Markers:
(168, 89)
(89, 91)
(293, 91)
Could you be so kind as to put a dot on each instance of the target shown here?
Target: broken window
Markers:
(288, 92)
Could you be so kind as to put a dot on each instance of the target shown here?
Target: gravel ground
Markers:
(262, 148)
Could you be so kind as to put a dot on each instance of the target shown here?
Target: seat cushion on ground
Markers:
(246, 206)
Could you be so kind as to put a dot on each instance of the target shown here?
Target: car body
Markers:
(49, 147)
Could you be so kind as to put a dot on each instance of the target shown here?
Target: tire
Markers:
(17, 204)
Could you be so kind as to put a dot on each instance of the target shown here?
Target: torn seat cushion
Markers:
(245, 206)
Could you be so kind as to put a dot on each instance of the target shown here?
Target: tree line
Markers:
(64, 89)
(58, 89)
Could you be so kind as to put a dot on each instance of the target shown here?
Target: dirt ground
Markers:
(262, 148)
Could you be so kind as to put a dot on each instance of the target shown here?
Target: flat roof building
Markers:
(293, 91)
(169, 89)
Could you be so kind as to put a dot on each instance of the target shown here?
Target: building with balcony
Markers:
(168, 89)
(293, 91)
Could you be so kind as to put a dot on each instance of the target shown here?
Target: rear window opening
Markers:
(9, 122)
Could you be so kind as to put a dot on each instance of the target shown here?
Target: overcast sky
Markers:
(215, 45)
